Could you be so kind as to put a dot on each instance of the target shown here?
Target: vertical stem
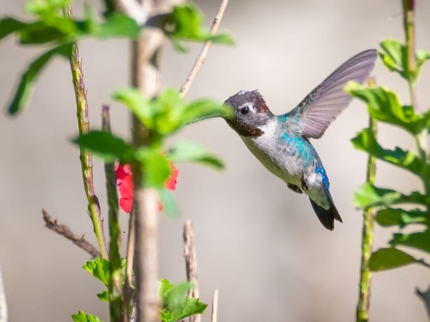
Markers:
(367, 238)
(85, 156)
(191, 265)
(411, 63)
(115, 281)
(145, 78)
(128, 288)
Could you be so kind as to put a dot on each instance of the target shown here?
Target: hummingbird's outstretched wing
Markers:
(328, 100)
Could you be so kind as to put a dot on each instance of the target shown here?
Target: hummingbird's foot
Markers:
(294, 188)
(305, 185)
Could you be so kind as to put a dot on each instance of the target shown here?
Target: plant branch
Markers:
(65, 231)
(425, 297)
(115, 280)
(85, 156)
(214, 316)
(367, 236)
(203, 53)
(3, 305)
(191, 265)
(128, 287)
(145, 78)
(408, 23)
(133, 9)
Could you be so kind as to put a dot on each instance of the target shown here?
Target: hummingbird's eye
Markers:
(244, 110)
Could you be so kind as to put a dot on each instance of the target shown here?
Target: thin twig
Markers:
(425, 297)
(65, 231)
(3, 305)
(128, 287)
(367, 237)
(203, 53)
(145, 78)
(214, 316)
(191, 265)
(115, 280)
(85, 156)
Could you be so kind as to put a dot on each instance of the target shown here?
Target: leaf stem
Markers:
(411, 63)
(85, 156)
(3, 305)
(115, 281)
(362, 314)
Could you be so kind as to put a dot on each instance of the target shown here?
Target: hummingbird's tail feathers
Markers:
(326, 216)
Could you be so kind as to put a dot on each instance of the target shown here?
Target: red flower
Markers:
(124, 181)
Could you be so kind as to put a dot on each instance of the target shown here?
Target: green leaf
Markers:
(189, 151)
(29, 78)
(204, 109)
(186, 23)
(400, 217)
(106, 146)
(117, 25)
(84, 317)
(422, 56)
(137, 104)
(103, 296)
(45, 7)
(155, 167)
(408, 160)
(384, 105)
(371, 196)
(394, 56)
(100, 269)
(419, 241)
(39, 32)
(9, 26)
(176, 305)
(389, 258)
(170, 206)
(168, 107)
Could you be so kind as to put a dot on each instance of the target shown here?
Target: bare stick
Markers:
(145, 78)
(133, 9)
(86, 157)
(128, 289)
(3, 306)
(214, 316)
(191, 264)
(65, 231)
(203, 53)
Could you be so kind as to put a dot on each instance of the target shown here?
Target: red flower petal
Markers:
(171, 182)
(124, 181)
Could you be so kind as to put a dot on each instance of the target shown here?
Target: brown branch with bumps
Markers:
(65, 231)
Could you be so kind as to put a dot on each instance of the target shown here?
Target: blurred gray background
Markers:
(258, 242)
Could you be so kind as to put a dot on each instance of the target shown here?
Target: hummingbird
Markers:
(282, 142)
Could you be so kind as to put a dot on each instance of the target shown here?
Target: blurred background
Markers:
(257, 242)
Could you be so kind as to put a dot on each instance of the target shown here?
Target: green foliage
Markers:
(388, 217)
(394, 58)
(28, 79)
(84, 317)
(384, 106)
(100, 269)
(408, 160)
(389, 258)
(176, 305)
(189, 151)
(186, 23)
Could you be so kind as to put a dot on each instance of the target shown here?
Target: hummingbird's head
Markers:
(251, 113)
